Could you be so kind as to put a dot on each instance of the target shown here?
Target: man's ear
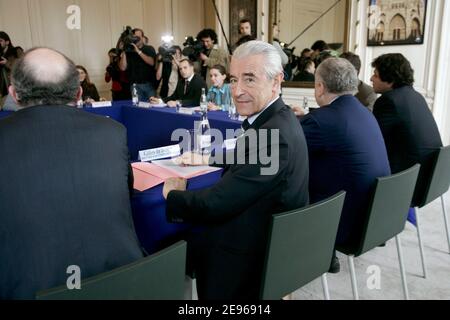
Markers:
(13, 93)
(319, 89)
(279, 78)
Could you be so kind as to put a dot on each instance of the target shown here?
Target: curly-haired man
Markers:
(409, 129)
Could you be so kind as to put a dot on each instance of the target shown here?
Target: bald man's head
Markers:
(45, 77)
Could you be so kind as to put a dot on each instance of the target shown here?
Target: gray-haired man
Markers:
(64, 187)
(228, 255)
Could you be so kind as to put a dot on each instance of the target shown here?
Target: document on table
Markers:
(148, 105)
(184, 171)
(148, 175)
(158, 105)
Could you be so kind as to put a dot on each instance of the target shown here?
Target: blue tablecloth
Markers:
(152, 128)
(149, 207)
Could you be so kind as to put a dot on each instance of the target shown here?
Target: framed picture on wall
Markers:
(242, 9)
(395, 22)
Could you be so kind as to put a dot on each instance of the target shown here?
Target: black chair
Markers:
(439, 182)
(300, 247)
(157, 277)
(385, 219)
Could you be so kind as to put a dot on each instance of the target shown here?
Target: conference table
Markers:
(149, 128)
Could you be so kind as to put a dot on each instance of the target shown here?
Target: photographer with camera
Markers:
(120, 88)
(8, 56)
(167, 70)
(212, 54)
(139, 62)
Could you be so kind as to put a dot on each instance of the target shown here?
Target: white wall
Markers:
(430, 60)
(43, 23)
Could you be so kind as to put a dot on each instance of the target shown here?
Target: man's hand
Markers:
(136, 49)
(203, 57)
(192, 159)
(299, 111)
(89, 100)
(175, 60)
(155, 100)
(213, 107)
(3, 61)
(174, 184)
(172, 104)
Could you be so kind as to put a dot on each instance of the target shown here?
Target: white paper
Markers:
(143, 104)
(158, 105)
(101, 104)
(189, 111)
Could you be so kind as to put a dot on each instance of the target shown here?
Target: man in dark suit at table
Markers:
(409, 129)
(189, 88)
(346, 147)
(228, 255)
(64, 187)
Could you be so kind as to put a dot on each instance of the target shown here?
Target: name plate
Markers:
(101, 104)
(159, 153)
(186, 111)
(143, 104)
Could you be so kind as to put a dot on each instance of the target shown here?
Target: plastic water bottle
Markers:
(203, 102)
(134, 96)
(204, 135)
(305, 105)
(226, 102)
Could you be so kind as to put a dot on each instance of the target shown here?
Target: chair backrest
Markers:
(440, 177)
(300, 246)
(388, 208)
(160, 276)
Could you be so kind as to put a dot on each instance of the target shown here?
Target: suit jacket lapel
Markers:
(263, 118)
(267, 114)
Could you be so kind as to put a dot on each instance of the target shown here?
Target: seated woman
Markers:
(219, 96)
(90, 93)
(306, 69)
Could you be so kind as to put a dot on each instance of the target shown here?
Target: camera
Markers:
(127, 38)
(167, 52)
(293, 59)
(193, 48)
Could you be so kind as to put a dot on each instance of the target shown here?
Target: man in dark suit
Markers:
(409, 129)
(189, 88)
(228, 255)
(346, 147)
(64, 186)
